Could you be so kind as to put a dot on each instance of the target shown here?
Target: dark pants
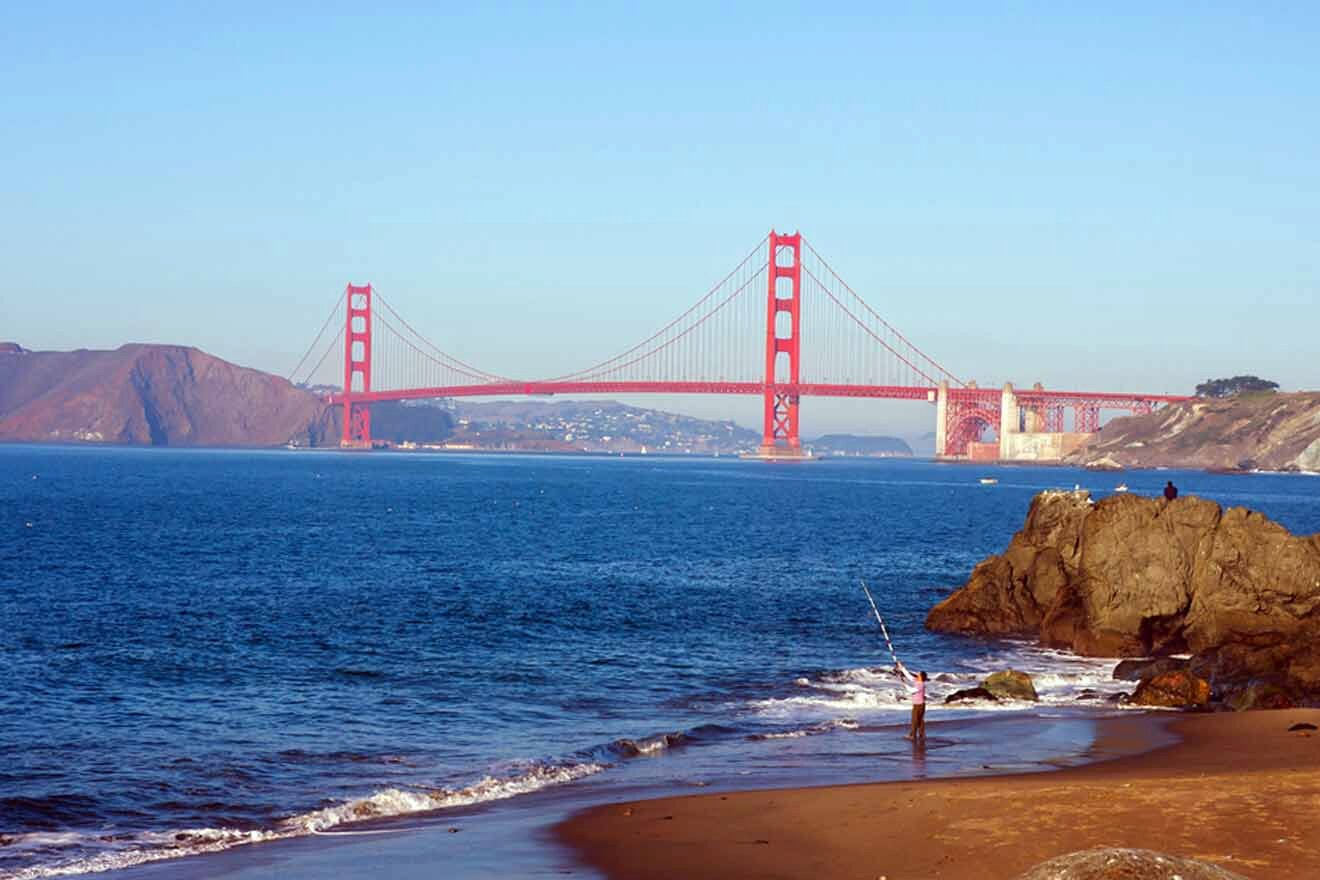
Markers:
(918, 728)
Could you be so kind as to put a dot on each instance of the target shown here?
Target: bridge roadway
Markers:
(1026, 396)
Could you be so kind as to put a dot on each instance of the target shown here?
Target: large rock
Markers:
(1179, 689)
(1011, 594)
(1126, 864)
(1011, 685)
(1131, 576)
(1135, 670)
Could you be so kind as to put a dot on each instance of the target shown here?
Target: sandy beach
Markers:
(1238, 790)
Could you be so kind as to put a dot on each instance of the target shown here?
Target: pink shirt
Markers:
(919, 695)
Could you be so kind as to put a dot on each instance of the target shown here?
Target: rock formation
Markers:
(1176, 689)
(1136, 577)
(1263, 431)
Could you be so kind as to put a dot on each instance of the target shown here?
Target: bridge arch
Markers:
(968, 424)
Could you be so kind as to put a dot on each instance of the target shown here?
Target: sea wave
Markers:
(67, 853)
(1060, 679)
(650, 745)
(398, 802)
(63, 853)
(813, 730)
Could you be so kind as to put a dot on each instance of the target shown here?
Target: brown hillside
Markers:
(160, 395)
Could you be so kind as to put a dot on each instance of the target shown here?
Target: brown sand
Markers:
(1238, 790)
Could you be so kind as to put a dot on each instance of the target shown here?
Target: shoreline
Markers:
(1237, 790)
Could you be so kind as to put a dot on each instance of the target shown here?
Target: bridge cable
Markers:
(936, 364)
(665, 368)
(920, 372)
(473, 371)
(333, 312)
(597, 368)
(331, 347)
(444, 361)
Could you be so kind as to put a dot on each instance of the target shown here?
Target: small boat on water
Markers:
(1121, 487)
(988, 481)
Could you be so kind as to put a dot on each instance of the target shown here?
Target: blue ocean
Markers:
(204, 651)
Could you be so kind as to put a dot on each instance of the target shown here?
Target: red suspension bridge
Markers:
(744, 336)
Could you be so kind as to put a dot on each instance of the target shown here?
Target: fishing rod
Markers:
(883, 629)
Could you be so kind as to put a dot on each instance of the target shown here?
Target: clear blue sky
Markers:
(1126, 198)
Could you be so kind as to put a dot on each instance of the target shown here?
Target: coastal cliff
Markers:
(158, 395)
(1134, 577)
(1266, 431)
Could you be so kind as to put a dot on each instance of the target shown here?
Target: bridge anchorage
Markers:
(730, 342)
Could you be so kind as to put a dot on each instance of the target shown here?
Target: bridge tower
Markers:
(357, 368)
(780, 438)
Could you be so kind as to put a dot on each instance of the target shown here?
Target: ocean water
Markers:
(208, 649)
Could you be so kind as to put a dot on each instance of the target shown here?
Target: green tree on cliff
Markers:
(1236, 385)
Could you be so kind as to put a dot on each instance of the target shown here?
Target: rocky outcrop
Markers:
(1113, 863)
(1135, 577)
(1263, 431)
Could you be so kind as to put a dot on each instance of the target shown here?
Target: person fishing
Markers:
(916, 685)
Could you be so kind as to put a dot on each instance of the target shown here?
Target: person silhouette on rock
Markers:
(1170, 491)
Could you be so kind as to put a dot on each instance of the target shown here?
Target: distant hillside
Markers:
(407, 422)
(1251, 431)
(158, 395)
(853, 444)
(594, 426)
(923, 445)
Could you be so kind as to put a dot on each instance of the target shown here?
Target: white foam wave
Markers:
(813, 730)
(1060, 679)
(650, 745)
(398, 802)
(124, 851)
(127, 851)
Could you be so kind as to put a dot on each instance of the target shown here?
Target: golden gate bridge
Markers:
(745, 336)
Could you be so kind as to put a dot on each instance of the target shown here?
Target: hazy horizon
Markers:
(1110, 201)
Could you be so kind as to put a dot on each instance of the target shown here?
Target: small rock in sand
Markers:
(1301, 725)
(1104, 863)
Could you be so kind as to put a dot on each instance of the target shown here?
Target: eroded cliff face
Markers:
(162, 395)
(1133, 576)
(1279, 432)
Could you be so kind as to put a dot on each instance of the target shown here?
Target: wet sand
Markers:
(1238, 790)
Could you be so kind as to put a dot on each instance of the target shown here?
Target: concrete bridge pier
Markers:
(1010, 421)
(942, 418)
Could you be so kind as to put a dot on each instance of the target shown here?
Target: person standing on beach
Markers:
(917, 731)
(1170, 491)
